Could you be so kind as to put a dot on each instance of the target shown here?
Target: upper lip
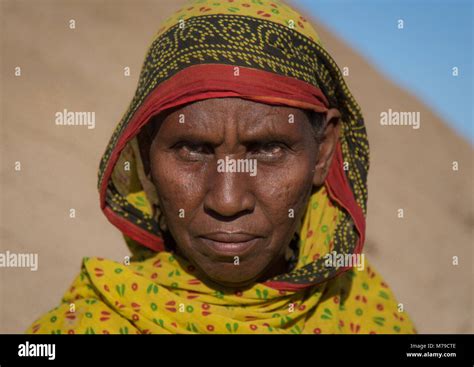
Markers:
(230, 237)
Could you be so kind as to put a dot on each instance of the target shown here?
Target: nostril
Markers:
(226, 218)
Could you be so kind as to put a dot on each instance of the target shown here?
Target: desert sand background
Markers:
(82, 70)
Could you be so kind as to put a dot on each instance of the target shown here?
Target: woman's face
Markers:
(235, 226)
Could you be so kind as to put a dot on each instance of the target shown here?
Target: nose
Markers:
(229, 195)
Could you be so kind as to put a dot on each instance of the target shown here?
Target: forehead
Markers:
(236, 114)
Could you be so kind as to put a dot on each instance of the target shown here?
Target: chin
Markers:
(232, 284)
(234, 278)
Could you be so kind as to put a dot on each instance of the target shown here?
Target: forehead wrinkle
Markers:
(203, 120)
(268, 124)
(235, 122)
(250, 118)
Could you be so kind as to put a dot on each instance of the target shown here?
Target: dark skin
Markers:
(236, 228)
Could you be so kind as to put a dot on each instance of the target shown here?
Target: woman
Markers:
(238, 178)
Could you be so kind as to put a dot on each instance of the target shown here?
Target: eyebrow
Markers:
(268, 137)
(263, 134)
(259, 138)
(268, 133)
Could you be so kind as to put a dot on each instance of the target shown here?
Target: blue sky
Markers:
(437, 36)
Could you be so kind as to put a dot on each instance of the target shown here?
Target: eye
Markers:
(269, 151)
(191, 151)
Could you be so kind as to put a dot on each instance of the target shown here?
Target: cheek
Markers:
(177, 187)
(285, 190)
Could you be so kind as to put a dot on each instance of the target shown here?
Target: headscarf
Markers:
(262, 51)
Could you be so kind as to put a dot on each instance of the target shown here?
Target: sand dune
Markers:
(82, 70)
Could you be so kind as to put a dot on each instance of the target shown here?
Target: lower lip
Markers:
(230, 248)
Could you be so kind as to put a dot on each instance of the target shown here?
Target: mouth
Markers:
(226, 244)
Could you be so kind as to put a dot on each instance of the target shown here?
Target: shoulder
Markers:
(84, 316)
(82, 311)
(368, 305)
